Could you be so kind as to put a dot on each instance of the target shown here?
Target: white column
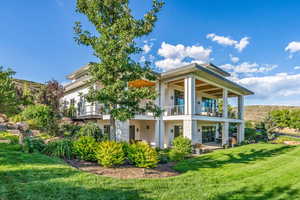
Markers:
(241, 107)
(190, 131)
(122, 130)
(189, 95)
(225, 103)
(241, 132)
(217, 131)
(159, 124)
(225, 133)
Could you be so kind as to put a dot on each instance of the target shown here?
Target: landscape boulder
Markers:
(66, 120)
(3, 118)
(22, 126)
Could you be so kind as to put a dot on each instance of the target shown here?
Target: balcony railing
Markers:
(174, 110)
(210, 114)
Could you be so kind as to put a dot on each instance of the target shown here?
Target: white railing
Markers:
(174, 110)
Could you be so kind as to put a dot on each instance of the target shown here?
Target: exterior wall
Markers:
(144, 130)
(169, 131)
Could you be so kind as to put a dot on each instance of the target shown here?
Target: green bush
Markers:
(8, 136)
(176, 155)
(40, 117)
(182, 147)
(91, 129)
(142, 155)
(110, 153)
(33, 145)
(60, 148)
(84, 147)
(69, 130)
(163, 155)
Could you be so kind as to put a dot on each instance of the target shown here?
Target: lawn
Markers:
(257, 171)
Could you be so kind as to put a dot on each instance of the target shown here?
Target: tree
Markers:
(8, 102)
(50, 94)
(113, 46)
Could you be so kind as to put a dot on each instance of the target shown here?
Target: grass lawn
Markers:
(257, 171)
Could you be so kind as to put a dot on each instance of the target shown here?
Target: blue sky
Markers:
(257, 41)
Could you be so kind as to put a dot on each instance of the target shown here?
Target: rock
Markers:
(11, 126)
(52, 139)
(14, 131)
(22, 126)
(5, 141)
(66, 120)
(3, 127)
(35, 132)
(3, 118)
(291, 142)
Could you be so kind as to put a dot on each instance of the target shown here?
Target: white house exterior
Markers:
(189, 96)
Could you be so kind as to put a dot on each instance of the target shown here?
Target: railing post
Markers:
(225, 103)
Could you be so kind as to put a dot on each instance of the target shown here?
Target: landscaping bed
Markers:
(125, 171)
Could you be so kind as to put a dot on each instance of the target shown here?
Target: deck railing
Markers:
(174, 110)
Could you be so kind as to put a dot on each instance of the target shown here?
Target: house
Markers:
(190, 97)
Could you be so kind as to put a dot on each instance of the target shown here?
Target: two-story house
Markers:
(194, 99)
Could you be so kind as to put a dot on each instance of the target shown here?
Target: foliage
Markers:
(142, 155)
(285, 118)
(69, 130)
(110, 153)
(8, 136)
(163, 155)
(182, 147)
(253, 135)
(33, 144)
(8, 102)
(114, 46)
(282, 139)
(62, 148)
(257, 171)
(40, 117)
(91, 129)
(50, 95)
(84, 147)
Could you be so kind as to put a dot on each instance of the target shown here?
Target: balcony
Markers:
(174, 110)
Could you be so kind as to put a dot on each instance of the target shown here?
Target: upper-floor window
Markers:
(178, 97)
(209, 105)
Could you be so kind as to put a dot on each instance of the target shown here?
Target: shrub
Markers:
(84, 147)
(91, 129)
(40, 117)
(16, 118)
(59, 148)
(33, 144)
(142, 155)
(163, 155)
(8, 136)
(110, 153)
(176, 155)
(69, 130)
(182, 147)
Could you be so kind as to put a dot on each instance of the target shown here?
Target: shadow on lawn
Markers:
(61, 183)
(258, 193)
(207, 161)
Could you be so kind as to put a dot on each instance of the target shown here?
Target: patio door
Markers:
(208, 134)
(131, 132)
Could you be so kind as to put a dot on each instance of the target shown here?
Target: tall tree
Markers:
(114, 45)
(50, 94)
(8, 101)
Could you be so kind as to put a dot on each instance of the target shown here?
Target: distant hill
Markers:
(259, 112)
(33, 86)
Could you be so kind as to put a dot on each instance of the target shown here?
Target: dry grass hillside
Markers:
(259, 112)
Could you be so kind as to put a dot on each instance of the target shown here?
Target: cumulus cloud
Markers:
(176, 55)
(148, 44)
(248, 68)
(234, 59)
(297, 67)
(227, 41)
(293, 47)
(274, 86)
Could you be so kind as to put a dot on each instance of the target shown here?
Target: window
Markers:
(208, 134)
(107, 130)
(178, 131)
(209, 105)
(178, 97)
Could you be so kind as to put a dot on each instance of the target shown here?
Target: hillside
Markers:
(259, 112)
(33, 86)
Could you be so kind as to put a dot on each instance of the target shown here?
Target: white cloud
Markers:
(175, 55)
(234, 59)
(297, 67)
(227, 41)
(274, 86)
(248, 68)
(293, 47)
(147, 48)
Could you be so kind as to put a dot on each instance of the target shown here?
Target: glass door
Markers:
(208, 134)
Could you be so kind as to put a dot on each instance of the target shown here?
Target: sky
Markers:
(258, 42)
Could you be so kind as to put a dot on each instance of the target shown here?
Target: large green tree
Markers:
(114, 44)
(8, 101)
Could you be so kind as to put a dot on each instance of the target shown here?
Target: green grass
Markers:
(257, 171)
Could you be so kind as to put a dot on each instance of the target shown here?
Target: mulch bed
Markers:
(125, 171)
